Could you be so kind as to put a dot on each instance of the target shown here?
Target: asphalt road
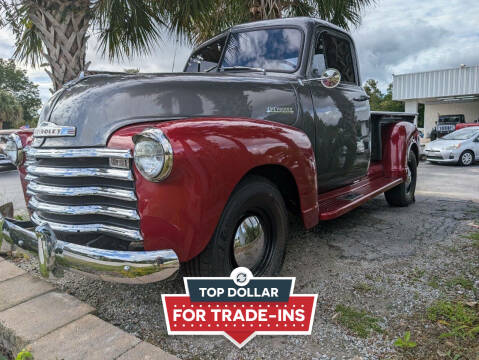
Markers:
(377, 258)
(11, 189)
(434, 181)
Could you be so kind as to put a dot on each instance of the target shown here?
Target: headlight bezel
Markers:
(16, 141)
(156, 135)
(453, 147)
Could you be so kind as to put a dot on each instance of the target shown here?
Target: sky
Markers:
(395, 37)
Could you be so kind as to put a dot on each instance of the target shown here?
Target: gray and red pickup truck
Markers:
(129, 176)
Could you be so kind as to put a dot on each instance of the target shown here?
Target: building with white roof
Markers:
(443, 92)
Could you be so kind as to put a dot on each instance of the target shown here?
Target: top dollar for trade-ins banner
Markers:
(239, 307)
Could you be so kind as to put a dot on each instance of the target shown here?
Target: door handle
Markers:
(361, 98)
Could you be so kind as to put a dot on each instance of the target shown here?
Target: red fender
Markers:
(211, 156)
(399, 140)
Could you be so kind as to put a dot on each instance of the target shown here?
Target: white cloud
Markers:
(401, 36)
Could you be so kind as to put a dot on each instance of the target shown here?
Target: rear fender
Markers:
(400, 138)
(211, 156)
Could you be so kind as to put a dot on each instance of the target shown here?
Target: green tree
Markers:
(16, 82)
(375, 95)
(199, 20)
(11, 113)
(56, 31)
(379, 101)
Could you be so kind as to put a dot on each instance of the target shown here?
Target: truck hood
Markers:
(100, 104)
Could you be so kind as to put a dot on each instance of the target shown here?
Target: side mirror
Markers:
(330, 78)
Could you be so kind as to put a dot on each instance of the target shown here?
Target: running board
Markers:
(340, 201)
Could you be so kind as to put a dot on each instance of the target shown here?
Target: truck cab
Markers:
(129, 176)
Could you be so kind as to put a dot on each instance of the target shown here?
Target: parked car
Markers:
(462, 126)
(4, 160)
(446, 124)
(4, 134)
(127, 176)
(459, 147)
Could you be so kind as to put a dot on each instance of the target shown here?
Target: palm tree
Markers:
(57, 31)
(199, 20)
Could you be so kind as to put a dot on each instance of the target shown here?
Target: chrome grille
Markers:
(81, 196)
(444, 128)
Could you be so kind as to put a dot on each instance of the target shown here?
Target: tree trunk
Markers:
(265, 9)
(62, 26)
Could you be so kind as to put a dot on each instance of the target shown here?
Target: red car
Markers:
(462, 126)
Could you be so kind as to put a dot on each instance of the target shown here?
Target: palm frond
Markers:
(126, 27)
(28, 46)
(342, 13)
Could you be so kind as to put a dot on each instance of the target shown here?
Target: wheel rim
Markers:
(249, 243)
(467, 158)
(408, 178)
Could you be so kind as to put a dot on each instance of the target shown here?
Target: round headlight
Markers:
(14, 149)
(153, 154)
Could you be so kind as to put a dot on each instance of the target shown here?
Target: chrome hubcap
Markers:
(408, 178)
(466, 158)
(249, 242)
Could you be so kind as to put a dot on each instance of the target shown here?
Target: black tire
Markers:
(466, 158)
(403, 194)
(254, 196)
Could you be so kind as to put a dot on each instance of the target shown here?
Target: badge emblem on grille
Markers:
(48, 129)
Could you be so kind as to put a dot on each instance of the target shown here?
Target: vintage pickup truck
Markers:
(129, 176)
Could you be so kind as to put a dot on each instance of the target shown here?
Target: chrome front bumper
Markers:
(133, 267)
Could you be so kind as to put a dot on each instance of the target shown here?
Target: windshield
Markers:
(270, 49)
(450, 119)
(462, 134)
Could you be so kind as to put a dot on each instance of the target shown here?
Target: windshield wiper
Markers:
(250, 68)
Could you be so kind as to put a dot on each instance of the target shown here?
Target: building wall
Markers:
(432, 112)
(437, 83)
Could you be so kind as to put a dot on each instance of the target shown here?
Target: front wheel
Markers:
(466, 158)
(403, 194)
(251, 232)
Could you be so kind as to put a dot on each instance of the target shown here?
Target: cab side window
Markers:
(339, 56)
(206, 58)
(318, 64)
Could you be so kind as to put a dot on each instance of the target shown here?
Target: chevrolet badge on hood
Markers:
(48, 129)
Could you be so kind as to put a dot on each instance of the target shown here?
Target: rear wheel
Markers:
(403, 194)
(251, 232)
(466, 158)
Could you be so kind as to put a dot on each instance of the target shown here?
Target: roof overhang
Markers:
(458, 83)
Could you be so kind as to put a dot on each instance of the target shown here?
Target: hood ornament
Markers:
(48, 129)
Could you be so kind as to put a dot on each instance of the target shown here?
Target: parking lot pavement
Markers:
(461, 183)
(11, 189)
(377, 258)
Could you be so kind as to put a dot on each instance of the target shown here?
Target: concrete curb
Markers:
(54, 325)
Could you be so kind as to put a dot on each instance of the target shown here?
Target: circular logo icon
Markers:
(241, 276)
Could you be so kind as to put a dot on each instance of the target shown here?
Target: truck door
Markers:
(341, 118)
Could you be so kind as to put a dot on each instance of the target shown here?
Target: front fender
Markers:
(211, 156)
